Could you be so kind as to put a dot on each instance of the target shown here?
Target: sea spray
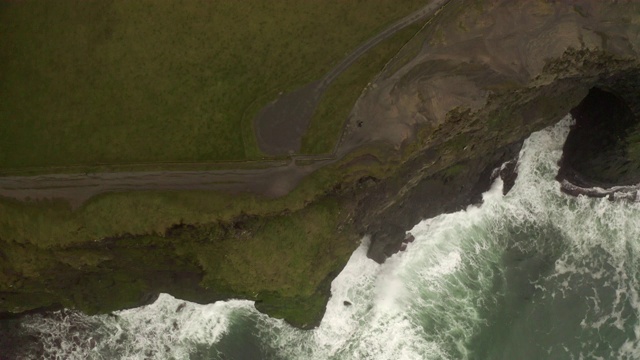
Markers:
(168, 328)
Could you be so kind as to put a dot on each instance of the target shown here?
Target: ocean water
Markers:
(535, 274)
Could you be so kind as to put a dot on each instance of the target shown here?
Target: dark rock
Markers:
(178, 229)
(629, 192)
(508, 173)
(149, 298)
(12, 344)
(395, 205)
(603, 147)
(390, 238)
(347, 303)
(446, 191)
(474, 102)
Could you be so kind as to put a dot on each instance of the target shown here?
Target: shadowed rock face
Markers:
(602, 147)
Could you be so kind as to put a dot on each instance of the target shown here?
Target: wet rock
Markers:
(346, 303)
(448, 190)
(508, 173)
(474, 102)
(603, 147)
(409, 238)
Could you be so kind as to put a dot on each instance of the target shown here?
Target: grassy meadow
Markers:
(123, 82)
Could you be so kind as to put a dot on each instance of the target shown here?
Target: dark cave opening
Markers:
(603, 147)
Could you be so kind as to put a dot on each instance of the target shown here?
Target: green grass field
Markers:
(121, 82)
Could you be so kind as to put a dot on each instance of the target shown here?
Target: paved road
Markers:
(274, 181)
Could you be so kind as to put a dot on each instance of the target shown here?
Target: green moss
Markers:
(95, 278)
(633, 145)
(304, 311)
(581, 11)
(452, 171)
(271, 259)
(584, 60)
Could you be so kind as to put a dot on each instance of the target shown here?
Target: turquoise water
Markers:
(535, 274)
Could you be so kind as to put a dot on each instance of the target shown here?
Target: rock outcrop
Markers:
(471, 86)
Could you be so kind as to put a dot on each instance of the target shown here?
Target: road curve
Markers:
(271, 182)
(281, 124)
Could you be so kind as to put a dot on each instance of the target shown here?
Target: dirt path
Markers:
(279, 128)
(280, 125)
(77, 188)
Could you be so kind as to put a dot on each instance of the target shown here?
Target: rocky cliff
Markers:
(471, 86)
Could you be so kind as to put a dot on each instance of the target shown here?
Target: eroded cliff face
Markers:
(481, 78)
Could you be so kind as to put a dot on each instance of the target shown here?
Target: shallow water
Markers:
(535, 274)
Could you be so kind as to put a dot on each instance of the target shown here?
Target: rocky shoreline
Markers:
(480, 96)
(441, 192)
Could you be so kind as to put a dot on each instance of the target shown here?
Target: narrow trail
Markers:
(274, 181)
(410, 19)
(271, 182)
(280, 125)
